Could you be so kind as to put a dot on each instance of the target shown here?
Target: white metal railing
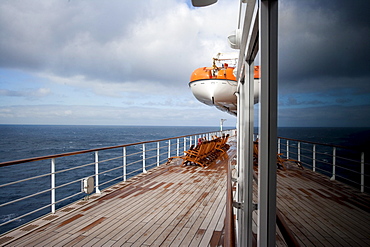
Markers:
(337, 162)
(56, 180)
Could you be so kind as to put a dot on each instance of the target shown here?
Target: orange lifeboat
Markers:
(216, 86)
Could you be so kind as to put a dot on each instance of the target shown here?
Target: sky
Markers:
(122, 62)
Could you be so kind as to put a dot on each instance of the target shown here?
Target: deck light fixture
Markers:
(235, 39)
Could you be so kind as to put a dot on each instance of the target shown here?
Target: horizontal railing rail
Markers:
(37, 186)
(345, 164)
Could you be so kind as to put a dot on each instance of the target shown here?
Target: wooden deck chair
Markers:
(279, 160)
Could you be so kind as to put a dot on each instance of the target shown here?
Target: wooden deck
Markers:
(185, 206)
(169, 206)
(321, 212)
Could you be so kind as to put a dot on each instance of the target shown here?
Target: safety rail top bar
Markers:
(15, 162)
(322, 144)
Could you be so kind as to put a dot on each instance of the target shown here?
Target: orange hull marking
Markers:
(222, 73)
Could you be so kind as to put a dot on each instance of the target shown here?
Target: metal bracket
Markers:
(238, 205)
(255, 206)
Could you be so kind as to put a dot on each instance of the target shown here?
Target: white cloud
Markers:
(115, 41)
(28, 93)
(107, 115)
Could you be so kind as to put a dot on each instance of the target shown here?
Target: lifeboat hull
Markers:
(218, 89)
(216, 92)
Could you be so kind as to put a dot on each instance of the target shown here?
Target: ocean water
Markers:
(26, 141)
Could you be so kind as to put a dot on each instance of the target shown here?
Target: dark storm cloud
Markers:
(326, 116)
(324, 45)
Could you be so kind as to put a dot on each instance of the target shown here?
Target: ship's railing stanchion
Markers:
(124, 164)
(287, 149)
(144, 152)
(185, 144)
(334, 161)
(279, 144)
(362, 172)
(314, 158)
(53, 185)
(299, 151)
(178, 147)
(97, 172)
(169, 148)
(158, 153)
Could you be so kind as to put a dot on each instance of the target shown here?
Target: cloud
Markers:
(115, 42)
(137, 56)
(324, 45)
(108, 115)
(28, 93)
(325, 116)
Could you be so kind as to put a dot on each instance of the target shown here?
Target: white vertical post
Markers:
(53, 185)
(158, 154)
(178, 147)
(287, 149)
(246, 119)
(124, 164)
(184, 143)
(169, 148)
(190, 140)
(279, 144)
(97, 172)
(268, 36)
(299, 151)
(314, 157)
(144, 169)
(362, 172)
(334, 161)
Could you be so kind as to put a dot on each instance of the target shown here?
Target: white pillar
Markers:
(268, 21)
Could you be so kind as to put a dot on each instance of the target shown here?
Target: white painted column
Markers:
(268, 21)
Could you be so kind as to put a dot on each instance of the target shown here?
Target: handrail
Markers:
(321, 144)
(15, 162)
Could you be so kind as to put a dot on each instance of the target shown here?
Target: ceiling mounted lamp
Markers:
(202, 3)
(235, 39)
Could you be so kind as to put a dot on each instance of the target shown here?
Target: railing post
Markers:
(314, 157)
(191, 140)
(124, 164)
(279, 140)
(184, 143)
(334, 160)
(362, 172)
(144, 169)
(53, 185)
(287, 149)
(299, 151)
(97, 173)
(178, 147)
(158, 154)
(169, 148)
